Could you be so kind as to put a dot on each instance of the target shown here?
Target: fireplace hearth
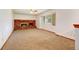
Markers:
(24, 24)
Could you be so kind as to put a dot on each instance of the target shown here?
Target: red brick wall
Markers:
(17, 24)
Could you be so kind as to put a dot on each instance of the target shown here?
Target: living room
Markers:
(23, 19)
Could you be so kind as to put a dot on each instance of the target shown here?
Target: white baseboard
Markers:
(2, 43)
(65, 35)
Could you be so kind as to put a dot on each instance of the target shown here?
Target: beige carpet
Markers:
(35, 39)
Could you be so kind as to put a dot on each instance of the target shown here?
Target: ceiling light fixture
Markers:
(34, 11)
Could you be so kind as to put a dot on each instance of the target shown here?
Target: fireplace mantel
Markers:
(24, 24)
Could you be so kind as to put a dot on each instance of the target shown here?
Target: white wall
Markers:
(24, 17)
(76, 38)
(64, 22)
(75, 16)
(65, 18)
(64, 25)
(76, 31)
(6, 25)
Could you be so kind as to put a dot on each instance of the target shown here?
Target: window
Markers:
(54, 19)
(51, 19)
(43, 19)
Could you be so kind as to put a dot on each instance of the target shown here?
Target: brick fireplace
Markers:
(24, 24)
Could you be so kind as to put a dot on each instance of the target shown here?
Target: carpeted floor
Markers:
(35, 39)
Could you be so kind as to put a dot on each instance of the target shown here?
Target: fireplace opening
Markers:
(24, 25)
(30, 24)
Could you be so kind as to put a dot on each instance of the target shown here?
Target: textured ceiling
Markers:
(28, 11)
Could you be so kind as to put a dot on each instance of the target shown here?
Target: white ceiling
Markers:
(28, 11)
